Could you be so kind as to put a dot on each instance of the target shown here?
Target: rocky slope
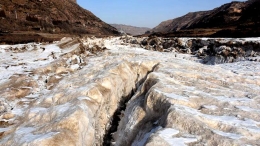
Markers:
(180, 22)
(27, 17)
(235, 19)
(88, 91)
(132, 30)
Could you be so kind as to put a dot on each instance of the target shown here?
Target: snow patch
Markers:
(229, 135)
(168, 134)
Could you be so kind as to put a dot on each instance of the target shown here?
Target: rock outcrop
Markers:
(69, 94)
(235, 19)
(209, 51)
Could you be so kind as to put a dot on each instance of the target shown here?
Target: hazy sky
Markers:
(146, 13)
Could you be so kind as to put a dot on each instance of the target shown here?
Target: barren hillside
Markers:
(49, 16)
(235, 19)
(132, 30)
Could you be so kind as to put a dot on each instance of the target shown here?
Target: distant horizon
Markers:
(146, 14)
(128, 25)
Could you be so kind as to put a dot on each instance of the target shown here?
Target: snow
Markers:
(38, 109)
(255, 39)
(230, 135)
(84, 98)
(248, 124)
(18, 111)
(168, 134)
(227, 99)
(251, 39)
(4, 129)
(247, 109)
(10, 61)
(172, 95)
(145, 138)
(211, 107)
(74, 67)
(26, 135)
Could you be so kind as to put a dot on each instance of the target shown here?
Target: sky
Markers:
(146, 13)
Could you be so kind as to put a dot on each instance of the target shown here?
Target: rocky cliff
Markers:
(235, 19)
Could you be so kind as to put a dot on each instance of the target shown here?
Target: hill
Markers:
(235, 19)
(49, 16)
(133, 30)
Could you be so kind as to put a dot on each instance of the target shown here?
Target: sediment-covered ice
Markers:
(66, 94)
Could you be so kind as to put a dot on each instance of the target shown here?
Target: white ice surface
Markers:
(26, 135)
(168, 134)
(145, 138)
(247, 109)
(230, 135)
(172, 95)
(211, 107)
(34, 57)
(249, 124)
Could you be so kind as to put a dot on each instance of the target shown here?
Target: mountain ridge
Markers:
(129, 29)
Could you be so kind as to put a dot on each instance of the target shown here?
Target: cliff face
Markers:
(51, 16)
(235, 19)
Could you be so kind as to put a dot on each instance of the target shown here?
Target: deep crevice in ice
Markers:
(108, 137)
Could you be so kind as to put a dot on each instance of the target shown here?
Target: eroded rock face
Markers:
(75, 98)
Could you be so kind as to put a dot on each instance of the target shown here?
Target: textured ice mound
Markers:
(68, 94)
